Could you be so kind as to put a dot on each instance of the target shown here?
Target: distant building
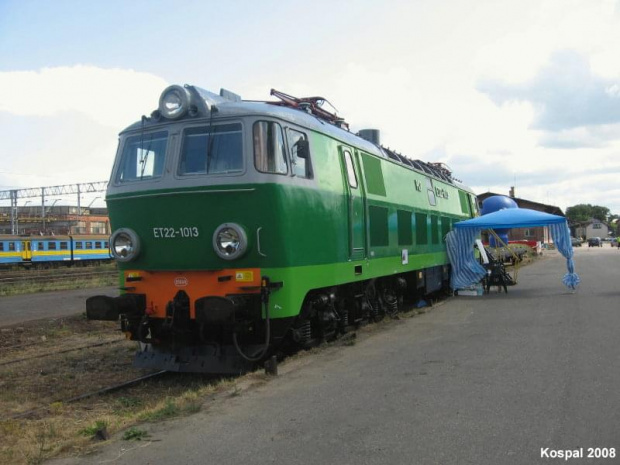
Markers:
(594, 228)
(536, 234)
(57, 220)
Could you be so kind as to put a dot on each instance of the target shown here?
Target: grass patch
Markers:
(32, 288)
(92, 430)
(169, 409)
(42, 439)
(63, 278)
(135, 434)
(129, 402)
(187, 404)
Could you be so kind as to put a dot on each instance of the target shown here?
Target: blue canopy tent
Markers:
(466, 270)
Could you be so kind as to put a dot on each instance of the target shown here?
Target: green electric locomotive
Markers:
(243, 227)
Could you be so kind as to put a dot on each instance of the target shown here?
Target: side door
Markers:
(355, 204)
(26, 251)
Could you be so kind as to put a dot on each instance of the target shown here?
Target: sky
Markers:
(522, 93)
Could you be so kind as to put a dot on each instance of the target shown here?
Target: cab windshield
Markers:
(215, 149)
(143, 157)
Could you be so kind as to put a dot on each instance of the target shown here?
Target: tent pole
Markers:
(515, 258)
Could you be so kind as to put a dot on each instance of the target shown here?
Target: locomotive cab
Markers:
(191, 224)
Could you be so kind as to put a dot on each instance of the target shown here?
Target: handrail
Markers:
(258, 242)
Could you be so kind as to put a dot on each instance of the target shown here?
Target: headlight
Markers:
(125, 245)
(174, 102)
(230, 241)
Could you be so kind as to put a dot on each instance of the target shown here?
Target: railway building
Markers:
(58, 220)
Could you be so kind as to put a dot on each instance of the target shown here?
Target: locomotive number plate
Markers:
(174, 233)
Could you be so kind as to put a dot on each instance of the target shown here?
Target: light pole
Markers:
(52, 206)
(93, 201)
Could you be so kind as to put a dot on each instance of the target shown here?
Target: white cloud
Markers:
(413, 75)
(613, 91)
(589, 27)
(565, 92)
(111, 97)
(61, 124)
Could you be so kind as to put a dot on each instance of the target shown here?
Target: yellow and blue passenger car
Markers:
(54, 250)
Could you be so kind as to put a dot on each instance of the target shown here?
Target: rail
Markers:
(98, 392)
(55, 278)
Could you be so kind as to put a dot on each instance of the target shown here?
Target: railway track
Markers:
(56, 276)
(106, 390)
(67, 366)
(54, 267)
(58, 352)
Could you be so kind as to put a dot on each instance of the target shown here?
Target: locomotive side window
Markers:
(446, 225)
(41, 246)
(51, 246)
(434, 229)
(373, 175)
(79, 245)
(350, 169)
(89, 245)
(212, 150)
(421, 231)
(405, 231)
(474, 205)
(1, 246)
(378, 227)
(143, 157)
(464, 199)
(64, 246)
(269, 151)
(300, 154)
(11, 246)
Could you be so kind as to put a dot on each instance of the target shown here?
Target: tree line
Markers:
(582, 214)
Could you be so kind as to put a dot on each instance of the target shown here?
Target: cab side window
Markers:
(300, 153)
(269, 151)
